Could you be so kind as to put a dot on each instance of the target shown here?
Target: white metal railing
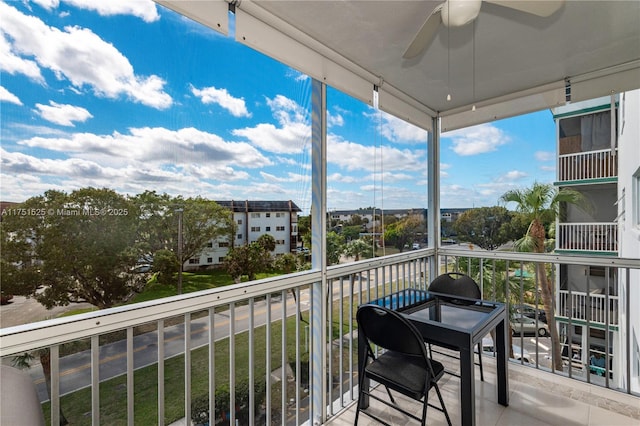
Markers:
(587, 165)
(593, 308)
(240, 338)
(590, 320)
(590, 237)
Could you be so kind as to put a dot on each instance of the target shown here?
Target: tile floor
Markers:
(536, 398)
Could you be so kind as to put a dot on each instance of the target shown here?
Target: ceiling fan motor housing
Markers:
(456, 13)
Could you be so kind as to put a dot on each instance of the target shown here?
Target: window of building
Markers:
(255, 229)
(279, 242)
(239, 221)
(209, 259)
(210, 244)
(194, 261)
(239, 236)
(255, 215)
(223, 244)
(267, 214)
(279, 214)
(279, 228)
(267, 229)
(220, 259)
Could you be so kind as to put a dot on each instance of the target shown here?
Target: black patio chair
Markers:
(464, 287)
(404, 366)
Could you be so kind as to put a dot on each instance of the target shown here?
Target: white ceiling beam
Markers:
(213, 14)
(527, 101)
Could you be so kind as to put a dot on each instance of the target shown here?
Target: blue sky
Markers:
(131, 96)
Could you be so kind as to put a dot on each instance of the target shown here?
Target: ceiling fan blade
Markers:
(542, 8)
(425, 35)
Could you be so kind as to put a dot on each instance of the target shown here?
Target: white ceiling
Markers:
(594, 44)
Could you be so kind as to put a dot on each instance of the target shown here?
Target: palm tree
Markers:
(541, 204)
(26, 360)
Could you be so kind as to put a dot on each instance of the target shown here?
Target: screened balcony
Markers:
(282, 350)
(246, 348)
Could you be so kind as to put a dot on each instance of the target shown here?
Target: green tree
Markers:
(248, 259)
(203, 220)
(80, 248)
(540, 204)
(405, 231)
(335, 247)
(304, 230)
(359, 249)
(268, 242)
(165, 263)
(156, 219)
(351, 232)
(487, 227)
(287, 263)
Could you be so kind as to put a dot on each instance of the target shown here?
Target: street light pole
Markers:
(180, 211)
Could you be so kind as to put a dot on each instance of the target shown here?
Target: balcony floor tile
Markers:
(537, 398)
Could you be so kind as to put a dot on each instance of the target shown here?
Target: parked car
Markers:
(518, 352)
(525, 325)
(415, 246)
(141, 269)
(530, 311)
(5, 298)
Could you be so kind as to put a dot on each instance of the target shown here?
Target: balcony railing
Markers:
(250, 346)
(588, 237)
(590, 165)
(598, 309)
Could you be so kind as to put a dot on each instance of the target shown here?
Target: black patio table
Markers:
(458, 326)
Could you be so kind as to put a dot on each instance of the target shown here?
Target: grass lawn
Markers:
(76, 407)
(191, 281)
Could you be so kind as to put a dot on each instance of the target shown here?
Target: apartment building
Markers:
(599, 156)
(253, 219)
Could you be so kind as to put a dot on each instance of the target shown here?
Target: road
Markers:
(75, 369)
(21, 310)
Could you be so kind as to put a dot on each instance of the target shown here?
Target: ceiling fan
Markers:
(457, 13)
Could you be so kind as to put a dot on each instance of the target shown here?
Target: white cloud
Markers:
(82, 57)
(545, 155)
(212, 95)
(143, 9)
(288, 178)
(477, 139)
(334, 120)
(64, 115)
(352, 156)
(511, 176)
(7, 96)
(155, 147)
(339, 177)
(296, 75)
(290, 137)
(13, 64)
(397, 130)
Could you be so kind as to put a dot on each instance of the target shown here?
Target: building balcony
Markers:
(594, 307)
(587, 167)
(591, 237)
(536, 397)
(271, 348)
